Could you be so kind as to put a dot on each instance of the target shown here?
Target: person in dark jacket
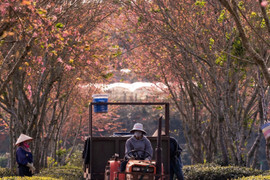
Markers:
(175, 160)
(24, 157)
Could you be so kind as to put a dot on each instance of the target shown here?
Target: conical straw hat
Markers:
(23, 138)
(156, 133)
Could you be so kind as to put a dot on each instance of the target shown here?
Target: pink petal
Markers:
(60, 60)
(29, 90)
(35, 34)
(68, 67)
(264, 3)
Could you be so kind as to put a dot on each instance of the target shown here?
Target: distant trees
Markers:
(196, 49)
(47, 48)
(253, 25)
(212, 55)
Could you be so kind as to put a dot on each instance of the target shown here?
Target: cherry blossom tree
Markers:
(195, 50)
(47, 49)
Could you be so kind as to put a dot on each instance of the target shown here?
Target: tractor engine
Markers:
(142, 169)
(135, 169)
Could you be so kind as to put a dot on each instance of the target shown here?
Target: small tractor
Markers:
(103, 160)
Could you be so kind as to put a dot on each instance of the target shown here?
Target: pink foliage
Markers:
(100, 130)
(35, 34)
(68, 67)
(43, 69)
(39, 59)
(60, 60)
(264, 3)
(4, 8)
(65, 34)
(30, 91)
(54, 18)
(58, 10)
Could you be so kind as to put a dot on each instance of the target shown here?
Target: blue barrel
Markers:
(100, 98)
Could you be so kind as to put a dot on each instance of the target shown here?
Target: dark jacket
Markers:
(175, 160)
(23, 157)
(175, 149)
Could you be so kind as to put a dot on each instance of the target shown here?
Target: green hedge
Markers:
(5, 172)
(260, 177)
(65, 172)
(28, 178)
(3, 161)
(194, 172)
(217, 172)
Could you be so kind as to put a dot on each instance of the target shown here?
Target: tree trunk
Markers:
(222, 145)
(11, 145)
(73, 144)
(253, 149)
(254, 163)
(267, 149)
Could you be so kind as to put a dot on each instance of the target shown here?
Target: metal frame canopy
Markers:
(166, 104)
(108, 146)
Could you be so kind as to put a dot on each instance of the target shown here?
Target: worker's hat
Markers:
(137, 127)
(23, 138)
(156, 133)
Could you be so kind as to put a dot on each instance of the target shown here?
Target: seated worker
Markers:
(137, 146)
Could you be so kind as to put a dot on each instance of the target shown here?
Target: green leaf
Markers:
(221, 59)
(118, 53)
(107, 76)
(222, 16)
(2, 42)
(211, 43)
(238, 49)
(139, 21)
(253, 14)
(59, 25)
(41, 11)
(200, 3)
(263, 25)
(159, 108)
(115, 46)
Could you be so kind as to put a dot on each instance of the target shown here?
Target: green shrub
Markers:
(65, 172)
(3, 161)
(51, 162)
(6, 172)
(28, 178)
(61, 153)
(260, 177)
(75, 159)
(217, 172)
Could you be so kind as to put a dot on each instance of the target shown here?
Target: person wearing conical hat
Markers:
(138, 143)
(24, 157)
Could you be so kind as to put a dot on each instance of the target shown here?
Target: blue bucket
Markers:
(100, 98)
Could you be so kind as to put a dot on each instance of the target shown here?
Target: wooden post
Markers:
(267, 149)
(158, 150)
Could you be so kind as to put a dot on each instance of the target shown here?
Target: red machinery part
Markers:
(114, 167)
